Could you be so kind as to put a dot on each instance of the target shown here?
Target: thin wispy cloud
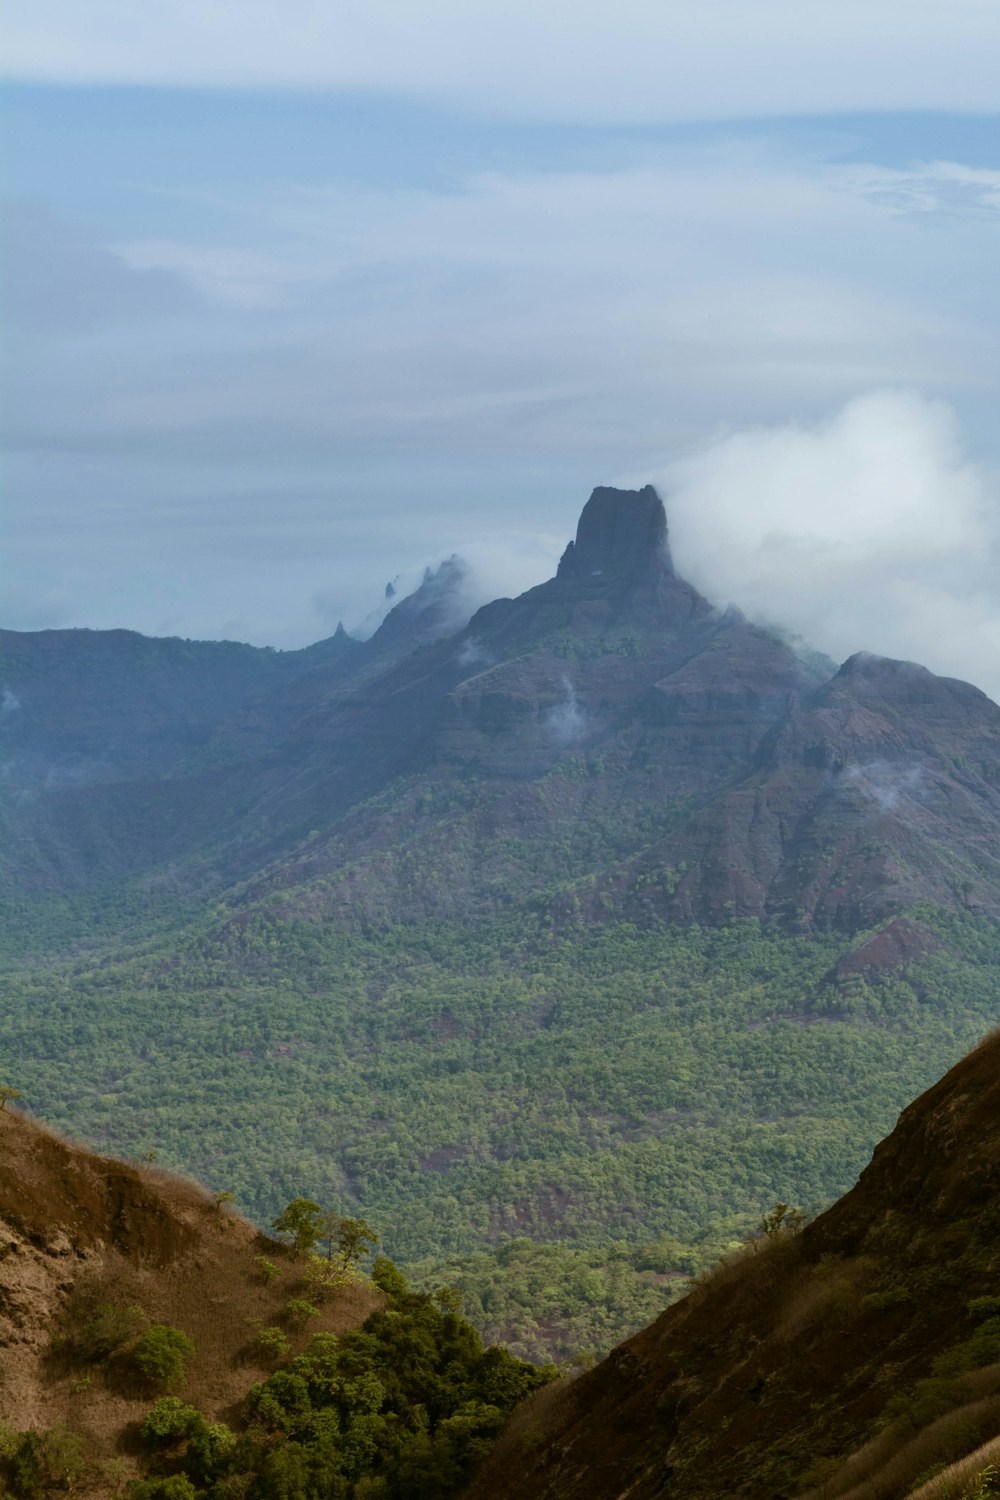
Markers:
(561, 60)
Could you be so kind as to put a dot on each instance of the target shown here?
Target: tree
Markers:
(389, 1278)
(352, 1238)
(8, 1095)
(782, 1220)
(161, 1354)
(302, 1221)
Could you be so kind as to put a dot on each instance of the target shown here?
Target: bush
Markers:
(42, 1461)
(273, 1343)
(177, 1487)
(101, 1329)
(161, 1354)
(299, 1309)
(167, 1420)
(389, 1278)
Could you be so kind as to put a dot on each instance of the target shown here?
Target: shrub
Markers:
(167, 1420)
(161, 1354)
(209, 1445)
(879, 1302)
(389, 1278)
(782, 1220)
(298, 1309)
(98, 1331)
(177, 1487)
(43, 1461)
(273, 1343)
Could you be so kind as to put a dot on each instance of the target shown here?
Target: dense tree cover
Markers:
(403, 1409)
(557, 1301)
(465, 1084)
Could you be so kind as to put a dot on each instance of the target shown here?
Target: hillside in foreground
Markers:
(856, 1360)
(153, 1343)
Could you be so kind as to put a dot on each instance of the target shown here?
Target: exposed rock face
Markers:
(622, 534)
(775, 1378)
(895, 946)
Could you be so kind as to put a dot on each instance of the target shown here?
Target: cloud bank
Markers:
(867, 530)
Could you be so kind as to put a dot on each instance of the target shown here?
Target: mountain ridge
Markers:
(616, 661)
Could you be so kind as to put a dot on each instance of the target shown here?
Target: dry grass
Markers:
(959, 1480)
(887, 1466)
(79, 1230)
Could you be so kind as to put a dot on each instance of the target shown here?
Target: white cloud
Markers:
(565, 59)
(869, 530)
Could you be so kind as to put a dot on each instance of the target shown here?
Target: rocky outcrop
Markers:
(622, 534)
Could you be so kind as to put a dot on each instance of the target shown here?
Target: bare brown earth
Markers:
(79, 1230)
(841, 1363)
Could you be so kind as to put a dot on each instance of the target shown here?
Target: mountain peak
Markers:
(439, 606)
(621, 534)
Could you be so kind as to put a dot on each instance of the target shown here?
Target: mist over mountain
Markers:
(757, 781)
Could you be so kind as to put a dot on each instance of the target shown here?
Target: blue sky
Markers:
(301, 297)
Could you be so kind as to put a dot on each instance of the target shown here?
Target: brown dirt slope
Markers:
(852, 1361)
(80, 1234)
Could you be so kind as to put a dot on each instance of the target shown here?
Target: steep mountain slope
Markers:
(92, 1250)
(145, 1337)
(120, 753)
(855, 1359)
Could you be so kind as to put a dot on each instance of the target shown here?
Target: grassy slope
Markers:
(297, 1377)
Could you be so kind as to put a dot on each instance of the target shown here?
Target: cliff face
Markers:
(851, 1360)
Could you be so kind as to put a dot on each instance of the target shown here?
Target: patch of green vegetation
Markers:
(34, 1463)
(556, 1301)
(161, 1353)
(467, 1084)
(405, 1408)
